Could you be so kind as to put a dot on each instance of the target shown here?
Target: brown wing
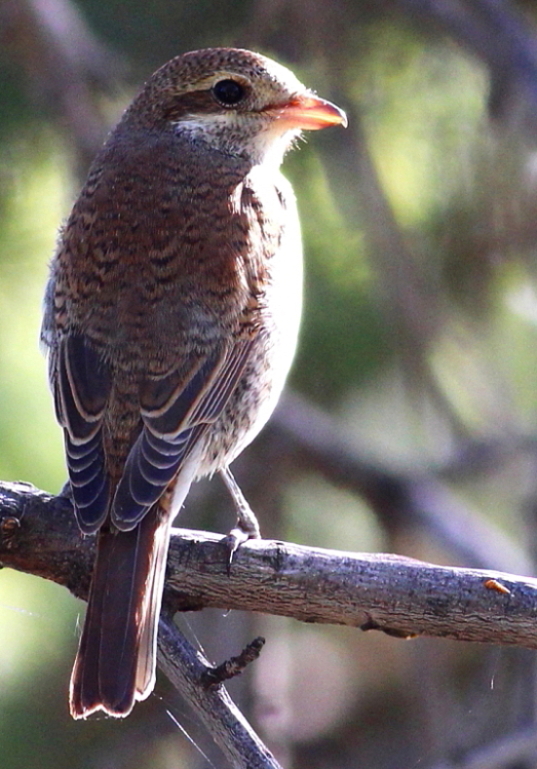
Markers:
(176, 414)
(82, 384)
(176, 410)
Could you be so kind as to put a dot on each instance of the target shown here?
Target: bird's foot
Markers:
(247, 525)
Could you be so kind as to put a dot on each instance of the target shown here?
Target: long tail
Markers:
(115, 663)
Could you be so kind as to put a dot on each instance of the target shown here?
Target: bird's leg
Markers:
(247, 526)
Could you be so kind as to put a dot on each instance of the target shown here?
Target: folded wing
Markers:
(81, 388)
(176, 413)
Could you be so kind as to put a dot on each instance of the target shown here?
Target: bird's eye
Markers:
(228, 92)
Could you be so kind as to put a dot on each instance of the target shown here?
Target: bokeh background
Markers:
(409, 422)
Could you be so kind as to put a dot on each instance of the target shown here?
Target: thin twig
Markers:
(187, 669)
(236, 665)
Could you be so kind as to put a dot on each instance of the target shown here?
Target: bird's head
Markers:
(238, 102)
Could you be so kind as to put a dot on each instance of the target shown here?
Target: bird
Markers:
(171, 317)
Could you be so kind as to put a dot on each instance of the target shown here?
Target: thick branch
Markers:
(400, 596)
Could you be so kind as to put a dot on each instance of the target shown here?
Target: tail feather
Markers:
(115, 663)
(145, 668)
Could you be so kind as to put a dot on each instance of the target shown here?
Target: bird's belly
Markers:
(263, 380)
(249, 407)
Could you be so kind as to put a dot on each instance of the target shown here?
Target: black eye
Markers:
(228, 92)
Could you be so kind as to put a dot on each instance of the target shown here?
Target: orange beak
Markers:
(310, 113)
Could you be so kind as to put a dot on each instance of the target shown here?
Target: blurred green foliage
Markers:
(34, 202)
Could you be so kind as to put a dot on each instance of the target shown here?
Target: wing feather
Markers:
(81, 388)
(172, 429)
(177, 409)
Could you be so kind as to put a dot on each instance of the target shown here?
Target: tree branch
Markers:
(38, 535)
(400, 596)
(187, 669)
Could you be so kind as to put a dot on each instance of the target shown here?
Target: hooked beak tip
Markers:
(310, 112)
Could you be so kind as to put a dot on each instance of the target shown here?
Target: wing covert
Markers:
(172, 429)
